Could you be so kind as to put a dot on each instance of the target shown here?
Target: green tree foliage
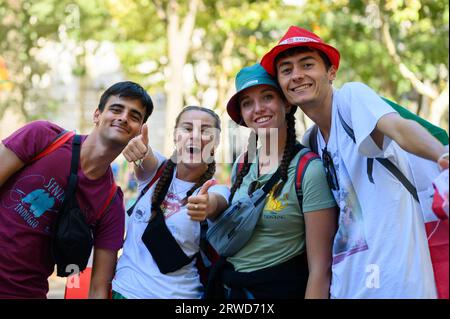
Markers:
(400, 48)
(24, 28)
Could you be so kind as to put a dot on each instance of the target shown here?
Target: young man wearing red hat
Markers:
(380, 249)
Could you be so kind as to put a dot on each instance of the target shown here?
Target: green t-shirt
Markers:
(279, 234)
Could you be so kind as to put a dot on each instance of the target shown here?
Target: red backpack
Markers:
(302, 164)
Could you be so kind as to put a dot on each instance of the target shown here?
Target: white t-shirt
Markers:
(380, 249)
(137, 275)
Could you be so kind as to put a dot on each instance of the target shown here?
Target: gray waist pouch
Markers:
(234, 228)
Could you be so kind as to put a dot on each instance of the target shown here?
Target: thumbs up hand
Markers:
(137, 147)
(199, 205)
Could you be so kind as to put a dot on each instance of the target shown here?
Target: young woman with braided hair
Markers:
(273, 263)
(186, 194)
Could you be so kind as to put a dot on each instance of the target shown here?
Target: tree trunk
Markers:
(179, 39)
(82, 87)
(439, 106)
(438, 101)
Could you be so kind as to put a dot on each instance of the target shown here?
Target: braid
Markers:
(205, 177)
(163, 185)
(248, 159)
(288, 154)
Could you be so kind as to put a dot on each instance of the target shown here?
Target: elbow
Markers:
(321, 269)
(323, 272)
(218, 206)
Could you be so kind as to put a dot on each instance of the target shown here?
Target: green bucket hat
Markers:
(247, 77)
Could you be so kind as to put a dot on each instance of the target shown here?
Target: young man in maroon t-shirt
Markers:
(31, 192)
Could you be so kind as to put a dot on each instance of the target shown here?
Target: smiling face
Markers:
(120, 121)
(304, 79)
(262, 107)
(196, 136)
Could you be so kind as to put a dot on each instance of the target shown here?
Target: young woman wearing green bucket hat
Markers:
(273, 263)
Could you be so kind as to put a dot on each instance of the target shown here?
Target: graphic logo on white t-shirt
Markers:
(171, 204)
(350, 238)
(139, 214)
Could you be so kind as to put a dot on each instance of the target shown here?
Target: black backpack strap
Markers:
(383, 161)
(370, 169)
(203, 230)
(69, 191)
(73, 179)
(347, 128)
(147, 187)
(399, 175)
(351, 133)
(203, 253)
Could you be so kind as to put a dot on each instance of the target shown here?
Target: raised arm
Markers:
(140, 153)
(320, 228)
(9, 163)
(410, 136)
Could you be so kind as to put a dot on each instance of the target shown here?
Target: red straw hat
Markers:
(298, 37)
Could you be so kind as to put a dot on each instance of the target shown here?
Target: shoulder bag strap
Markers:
(302, 164)
(383, 161)
(147, 187)
(59, 141)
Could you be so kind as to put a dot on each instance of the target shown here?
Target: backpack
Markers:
(436, 230)
(72, 240)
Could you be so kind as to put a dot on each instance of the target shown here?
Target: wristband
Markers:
(140, 161)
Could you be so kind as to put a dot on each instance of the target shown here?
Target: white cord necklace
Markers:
(174, 190)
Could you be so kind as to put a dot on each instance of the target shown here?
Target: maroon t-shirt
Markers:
(29, 202)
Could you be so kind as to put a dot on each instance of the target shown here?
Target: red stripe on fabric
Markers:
(301, 166)
(111, 194)
(55, 145)
(439, 253)
(438, 203)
